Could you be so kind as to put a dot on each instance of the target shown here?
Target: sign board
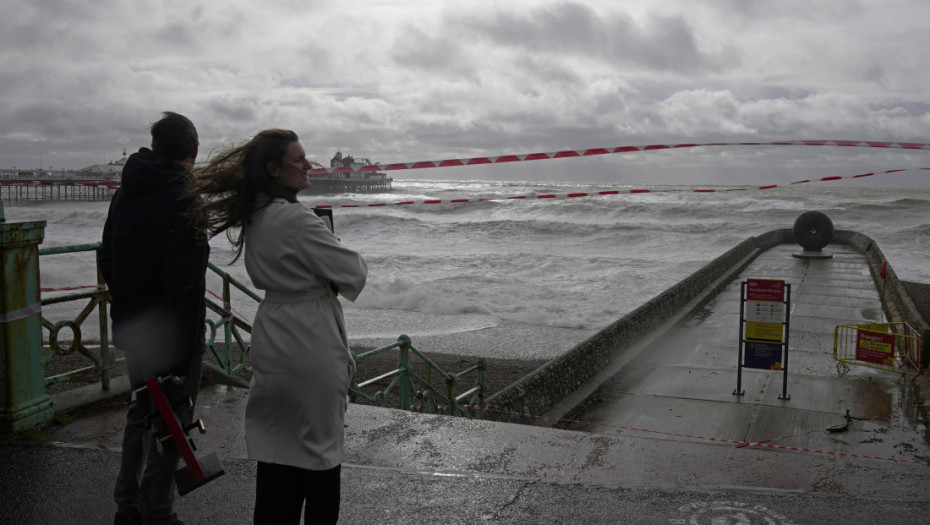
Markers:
(766, 356)
(875, 347)
(765, 312)
(765, 290)
(764, 328)
(773, 332)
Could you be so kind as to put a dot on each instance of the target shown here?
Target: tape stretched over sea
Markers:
(472, 161)
(615, 192)
(570, 154)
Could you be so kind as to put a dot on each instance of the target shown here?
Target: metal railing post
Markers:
(105, 356)
(404, 368)
(24, 402)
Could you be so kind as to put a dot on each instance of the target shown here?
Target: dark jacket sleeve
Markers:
(105, 253)
(187, 253)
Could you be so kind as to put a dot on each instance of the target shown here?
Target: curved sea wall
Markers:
(897, 303)
(570, 382)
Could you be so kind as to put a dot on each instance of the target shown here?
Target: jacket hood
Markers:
(146, 172)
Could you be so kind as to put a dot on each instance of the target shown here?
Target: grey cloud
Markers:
(547, 72)
(566, 28)
(236, 109)
(665, 43)
(757, 12)
(438, 81)
(440, 53)
(661, 43)
(176, 34)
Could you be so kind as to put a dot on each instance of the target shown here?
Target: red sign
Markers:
(765, 290)
(875, 347)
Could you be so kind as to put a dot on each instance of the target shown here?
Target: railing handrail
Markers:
(408, 383)
(97, 299)
(229, 322)
(53, 250)
(404, 379)
(232, 280)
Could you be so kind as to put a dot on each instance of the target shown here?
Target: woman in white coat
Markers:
(301, 364)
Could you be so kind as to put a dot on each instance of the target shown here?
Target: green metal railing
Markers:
(418, 393)
(232, 326)
(96, 298)
(231, 355)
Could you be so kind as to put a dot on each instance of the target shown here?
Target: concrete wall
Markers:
(552, 383)
(898, 305)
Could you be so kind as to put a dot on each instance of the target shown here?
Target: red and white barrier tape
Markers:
(228, 306)
(741, 444)
(32, 309)
(472, 161)
(69, 288)
(21, 313)
(605, 151)
(584, 194)
(615, 192)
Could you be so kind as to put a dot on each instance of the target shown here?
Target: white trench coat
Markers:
(301, 365)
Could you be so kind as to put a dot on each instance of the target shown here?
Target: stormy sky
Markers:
(399, 80)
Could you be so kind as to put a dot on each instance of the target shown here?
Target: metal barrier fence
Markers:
(894, 347)
(417, 393)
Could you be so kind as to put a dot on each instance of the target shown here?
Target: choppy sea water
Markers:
(532, 266)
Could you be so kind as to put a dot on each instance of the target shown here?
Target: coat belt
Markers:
(277, 296)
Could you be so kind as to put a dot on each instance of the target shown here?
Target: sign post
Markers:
(764, 314)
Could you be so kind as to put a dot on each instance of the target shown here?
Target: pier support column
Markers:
(24, 403)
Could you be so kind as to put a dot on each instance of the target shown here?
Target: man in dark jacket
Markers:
(153, 258)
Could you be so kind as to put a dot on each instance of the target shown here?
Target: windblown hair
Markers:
(174, 136)
(237, 182)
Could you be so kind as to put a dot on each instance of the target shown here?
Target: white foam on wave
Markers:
(375, 324)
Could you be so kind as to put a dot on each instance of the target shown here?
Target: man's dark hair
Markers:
(174, 136)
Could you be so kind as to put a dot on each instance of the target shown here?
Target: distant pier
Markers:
(45, 185)
(348, 182)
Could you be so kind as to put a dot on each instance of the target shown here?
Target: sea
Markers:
(505, 273)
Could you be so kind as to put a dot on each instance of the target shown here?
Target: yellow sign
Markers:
(764, 331)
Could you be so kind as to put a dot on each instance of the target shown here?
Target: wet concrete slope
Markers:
(682, 386)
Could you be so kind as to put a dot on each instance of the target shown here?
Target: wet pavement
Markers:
(667, 445)
(684, 382)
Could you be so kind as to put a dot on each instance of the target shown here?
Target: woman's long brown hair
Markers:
(237, 182)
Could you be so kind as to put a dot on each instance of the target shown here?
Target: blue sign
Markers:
(766, 356)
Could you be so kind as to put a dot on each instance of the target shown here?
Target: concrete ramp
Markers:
(671, 372)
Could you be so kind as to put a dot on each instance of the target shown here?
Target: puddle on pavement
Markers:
(890, 420)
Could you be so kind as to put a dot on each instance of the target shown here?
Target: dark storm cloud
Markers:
(239, 109)
(570, 28)
(432, 53)
(403, 80)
